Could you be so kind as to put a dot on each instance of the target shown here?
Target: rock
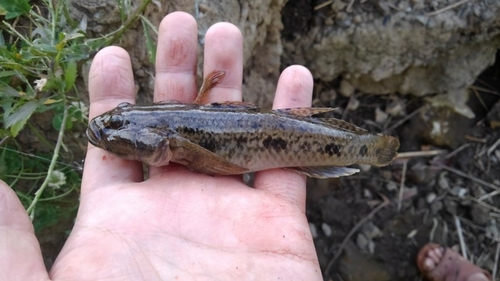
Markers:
(410, 51)
(430, 197)
(327, 230)
(380, 116)
(436, 206)
(314, 230)
(450, 206)
(479, 214)
(370, 230)
(346, 89)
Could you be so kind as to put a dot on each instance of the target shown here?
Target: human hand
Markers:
(177, 224)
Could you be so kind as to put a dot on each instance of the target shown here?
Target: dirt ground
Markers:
(370, 226)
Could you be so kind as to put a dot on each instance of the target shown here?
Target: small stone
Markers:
(459, 191)
(365, 167)
(443, 181)
(338, 5)
(391, 186)
(383, 7)
(341, 16)
(422, 19)
(353, 104)
(345, 23)
(346, 89)
(362, 241)
(450, 206)
(357, 19)
(314, 230)
(395, 109)
(431, 197)
(479, 214)
(434, 4)
(327, 230)
(370, 230)
(412, 234)
(497, 154)
(367, 193)
(380, 115)
(436, 206)
(492, 231)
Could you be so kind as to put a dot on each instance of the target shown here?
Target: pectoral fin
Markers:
(199, 159)
(323, 172)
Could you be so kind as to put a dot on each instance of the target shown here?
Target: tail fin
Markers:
(389, 150)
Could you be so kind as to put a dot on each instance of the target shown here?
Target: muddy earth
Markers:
(444, 187)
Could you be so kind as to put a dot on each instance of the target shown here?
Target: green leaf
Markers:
(70, 75)
(57, 122)
(18, 118)
(14, 8)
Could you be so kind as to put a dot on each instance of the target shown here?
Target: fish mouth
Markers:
(93, 133)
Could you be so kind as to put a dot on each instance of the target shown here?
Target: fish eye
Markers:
(115, 122)
(123, 105)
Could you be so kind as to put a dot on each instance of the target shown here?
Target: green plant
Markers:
(41, 49)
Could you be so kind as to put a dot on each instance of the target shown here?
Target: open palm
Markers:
(177, 224)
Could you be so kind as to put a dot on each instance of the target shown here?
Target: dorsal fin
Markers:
(304, 111)
(230, 105)
(343, 125)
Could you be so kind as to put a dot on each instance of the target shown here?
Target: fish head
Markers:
(120, 132)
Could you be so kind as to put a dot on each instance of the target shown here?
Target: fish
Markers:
(231, 138)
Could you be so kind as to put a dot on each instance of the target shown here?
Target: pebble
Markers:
(450, 206)
(380, 115)
(436, 206)
(479, 214)
(431, 197)
(338, 5)
(391, 186)
(358, 19)
(314, 230)
(353, 104)
(346, 89)
(327, 230)
(370, 230)
(443, 181)
(459, 191)
(492, 231)
(367, 194)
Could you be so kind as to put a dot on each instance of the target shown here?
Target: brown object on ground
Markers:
(451, 266)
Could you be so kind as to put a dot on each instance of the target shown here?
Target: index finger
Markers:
(110, 82)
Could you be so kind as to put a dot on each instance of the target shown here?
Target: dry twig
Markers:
(412, 154)
(461, 237)
(449, 7)
(402, 185)
(460, 173)
(322, 5)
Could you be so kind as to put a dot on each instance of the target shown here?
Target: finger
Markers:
(224, 51)
(110, 82)
(20, 257)
(294, 89)
(176, 58)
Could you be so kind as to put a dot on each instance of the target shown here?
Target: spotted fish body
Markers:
(236, 138)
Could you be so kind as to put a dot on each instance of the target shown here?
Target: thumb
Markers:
(20, 255)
